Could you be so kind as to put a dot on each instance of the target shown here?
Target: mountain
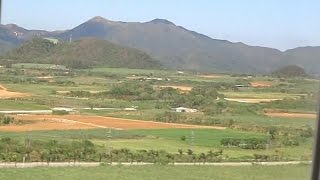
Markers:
(179, 48)
(12, 35)
(306, 57)
(84, 53)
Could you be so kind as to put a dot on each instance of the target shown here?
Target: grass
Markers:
(201, 137)
(25, 104)
(162, 139)
(126, 71)
(268, 121)
(47, 89)
(296, 172)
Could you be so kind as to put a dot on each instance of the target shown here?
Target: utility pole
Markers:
(70, 39)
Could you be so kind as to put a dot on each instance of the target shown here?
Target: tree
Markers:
(272, 131)
(210, 155)
(180, 151)
(190, 153)
(203, 157)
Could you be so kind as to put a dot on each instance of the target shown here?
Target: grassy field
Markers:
(298, 172)
(199, 140)
(248, 120)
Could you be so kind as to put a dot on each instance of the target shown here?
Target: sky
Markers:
(281, 24)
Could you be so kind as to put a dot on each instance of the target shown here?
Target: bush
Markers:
(60, 112)
(251, 143)
(5, 120)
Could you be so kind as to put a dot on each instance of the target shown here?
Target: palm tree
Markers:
(171, 157)
(210, 154)
(190, 154)
(203, 157)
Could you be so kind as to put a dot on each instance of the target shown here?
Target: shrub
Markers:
(59, 112)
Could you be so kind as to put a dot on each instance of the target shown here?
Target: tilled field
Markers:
(55, 122)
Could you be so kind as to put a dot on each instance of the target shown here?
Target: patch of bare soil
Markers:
(5, 94)
(181, 88)
(246, 100)
(291, 115)
(261, 84)
(54, 122)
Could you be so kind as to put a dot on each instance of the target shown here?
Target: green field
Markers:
(105, 87)
(298, 172)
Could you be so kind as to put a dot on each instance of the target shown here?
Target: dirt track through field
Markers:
(212, 76)
(291, 115)
(54, 122)
(247, 100)
(5, 94)
(261, 84)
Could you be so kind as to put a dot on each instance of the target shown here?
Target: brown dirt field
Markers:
(182, 88)
(5, 94)
(291, 115)
(54, 122)
(261, 84)
(250, 100)
(211, 76)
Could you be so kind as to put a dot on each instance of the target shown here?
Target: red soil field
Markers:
(54, 122)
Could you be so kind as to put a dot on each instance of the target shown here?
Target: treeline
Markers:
(12, 150)
(182, 118)
(290, 71)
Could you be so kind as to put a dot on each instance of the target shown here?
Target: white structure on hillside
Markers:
(183, 109)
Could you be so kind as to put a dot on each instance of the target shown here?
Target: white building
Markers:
(183, 109)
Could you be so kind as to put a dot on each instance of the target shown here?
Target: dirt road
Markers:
(291, 115)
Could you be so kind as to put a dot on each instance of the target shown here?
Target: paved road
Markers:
(95, 164)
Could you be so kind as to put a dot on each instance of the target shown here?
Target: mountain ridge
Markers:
(180, 48)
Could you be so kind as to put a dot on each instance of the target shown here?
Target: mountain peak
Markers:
(14, 27)
(161, 21)
(99, 19)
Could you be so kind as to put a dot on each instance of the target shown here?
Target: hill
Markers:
(290, 71)
(179, 48)
(306, 57)
(82, 53)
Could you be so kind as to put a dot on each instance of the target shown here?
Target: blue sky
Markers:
(281, 24)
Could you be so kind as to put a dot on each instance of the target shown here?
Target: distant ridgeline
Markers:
(174, 46)
(83, 53)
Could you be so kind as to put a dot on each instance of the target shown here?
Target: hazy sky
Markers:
(280, 24)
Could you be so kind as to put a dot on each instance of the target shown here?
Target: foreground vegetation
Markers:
(297, 172)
